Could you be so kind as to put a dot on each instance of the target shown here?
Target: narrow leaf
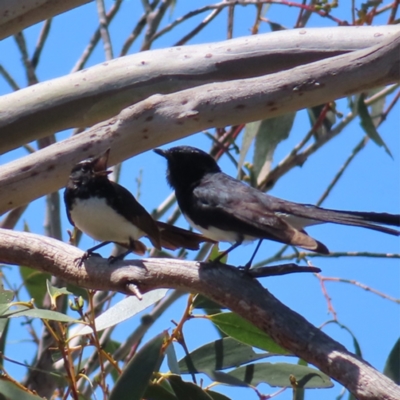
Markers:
(277, 375)
(217, 396)
(123, 310)
(187, 390)
(6, 296)
(218, 355)
(42, 314)
(172, 360)
(35, 283)
(270, 133)
(245, 332)
(368, 125)
(135, 378)
(392, 366)
(12, 391)
(158, 391)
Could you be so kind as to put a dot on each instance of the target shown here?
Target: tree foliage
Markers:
(243, 93)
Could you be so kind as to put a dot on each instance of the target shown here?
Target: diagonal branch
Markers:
(220, 283)
(163, 118)
(87, 97)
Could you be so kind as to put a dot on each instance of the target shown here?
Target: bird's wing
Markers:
(133, 211)
(231, 205)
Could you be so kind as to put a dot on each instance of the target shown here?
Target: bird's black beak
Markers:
(100, 164)
(162, 153)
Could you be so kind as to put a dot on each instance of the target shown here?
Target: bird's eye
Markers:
(85, 168)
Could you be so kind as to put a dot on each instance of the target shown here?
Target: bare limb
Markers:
(17, 15)
(221, 284)
(87, 97)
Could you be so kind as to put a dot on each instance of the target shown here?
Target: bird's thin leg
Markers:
(248, 265)
(89, 252)
(119, 257)
(223, 254)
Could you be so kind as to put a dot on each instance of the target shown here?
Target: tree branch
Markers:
(17, 15)
(87, 97)
(220, 283)
(164, 118)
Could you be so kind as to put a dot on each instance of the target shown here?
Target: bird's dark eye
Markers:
(85, 168)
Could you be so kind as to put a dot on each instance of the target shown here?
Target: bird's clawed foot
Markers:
(80, 260)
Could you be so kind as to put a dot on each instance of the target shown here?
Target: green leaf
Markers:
(123, 310)
(277, 375)
(55, 292)
(245, 332)
(204, 302)
(42, 314)
(172, 360)
(187, 390)
(156, 391)
(270, 133)
(392, 366)
(214, 253)
(6, 296)
(218, 355)
(35, 283)
(135, 378)
(368, 125)
(216, 395)
(12, 391)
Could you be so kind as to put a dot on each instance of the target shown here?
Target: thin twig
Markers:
(44, 33)
(105, 34)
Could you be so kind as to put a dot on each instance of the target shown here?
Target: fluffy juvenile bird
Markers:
(226, 209)
(108, 212)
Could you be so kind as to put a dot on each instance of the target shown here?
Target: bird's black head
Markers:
(90, 169)
(187, 165)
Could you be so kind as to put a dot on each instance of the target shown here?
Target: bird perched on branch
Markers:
(108, 212)
(226, 209)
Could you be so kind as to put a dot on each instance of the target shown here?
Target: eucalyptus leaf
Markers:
(218, 355)
(245, 332)
(368, 125)
(278, 375)
(123, 310)
(11, 391)
(157, 391)
(42, 314)
(134, 380)
(392, 366)
(34, 283)
(187, 390)
(271, 132)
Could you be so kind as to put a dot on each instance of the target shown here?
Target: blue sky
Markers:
(371, 183)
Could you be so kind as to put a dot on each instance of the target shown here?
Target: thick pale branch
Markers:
(93, 95)
(223, 284)
(17, 15)
(164, 118)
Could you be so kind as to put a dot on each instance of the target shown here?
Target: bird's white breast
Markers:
(218, 235)
(98, 220)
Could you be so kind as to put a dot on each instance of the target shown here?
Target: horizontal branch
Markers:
(87, 97)
(164, 118)
(17, 15)
(223, 284)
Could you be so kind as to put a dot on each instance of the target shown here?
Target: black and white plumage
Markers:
(108, 212)
(226, 209)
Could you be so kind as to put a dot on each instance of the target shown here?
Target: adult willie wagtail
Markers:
(226, 209)
(108, 212)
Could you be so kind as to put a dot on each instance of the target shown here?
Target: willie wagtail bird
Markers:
(108, 212)
(226, 209)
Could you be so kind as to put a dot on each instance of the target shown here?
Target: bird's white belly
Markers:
(218, 235)
(102, 223)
